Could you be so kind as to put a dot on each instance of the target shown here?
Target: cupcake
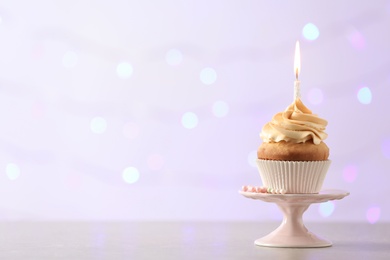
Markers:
(293, 157)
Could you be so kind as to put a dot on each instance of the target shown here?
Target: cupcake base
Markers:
(293, 177)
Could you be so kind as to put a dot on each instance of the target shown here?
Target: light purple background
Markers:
(90, 88)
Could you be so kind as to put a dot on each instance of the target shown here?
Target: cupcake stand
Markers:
(292, 232)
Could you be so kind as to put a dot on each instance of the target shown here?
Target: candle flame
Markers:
(297, 60)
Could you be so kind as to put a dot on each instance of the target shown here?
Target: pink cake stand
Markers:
(292, 232)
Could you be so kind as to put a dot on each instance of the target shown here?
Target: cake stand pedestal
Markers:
(292, 232)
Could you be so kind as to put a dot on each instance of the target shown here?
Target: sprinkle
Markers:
(262, 189)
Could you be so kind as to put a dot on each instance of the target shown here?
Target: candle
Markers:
(297, 69)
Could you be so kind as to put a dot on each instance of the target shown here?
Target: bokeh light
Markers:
(173, 57)
(208, 76)
(98, 125)
(139, 110)
(364, 95)
(220, 109)
(356, 39)
(155, 162)
(124, 70)
(69, 60)
(373, 214)
(37, 50)
(131, 130)
(252, 156)
(326, 209)
(130, 175)
(315, 96)
(12, 170)
(310, 32)
(350, 173)
(386, 148)
(38, 110)
(189, 120)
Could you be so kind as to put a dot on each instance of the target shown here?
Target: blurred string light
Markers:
(155, 162)
(315, 96)
(139, 109)
(189, 120)
(356, 39)
(208, 76)
(373, 214)
(310, 32)
(252, 156)
(69, 60)
(130, 175)
(12, 170)
(98, 125)
(386, 148)
(173, 57)
(350, 173)
(220, 109)
(124, 70)
(38, 110)
(131, 130)
(326, 209)
(364, 95)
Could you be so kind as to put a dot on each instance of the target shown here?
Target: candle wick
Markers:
(296, 74)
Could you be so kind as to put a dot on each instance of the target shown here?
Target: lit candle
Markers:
(297, 69)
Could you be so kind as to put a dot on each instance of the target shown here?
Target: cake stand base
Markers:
(292, 232)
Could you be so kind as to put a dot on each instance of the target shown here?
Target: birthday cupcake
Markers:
(293, 157)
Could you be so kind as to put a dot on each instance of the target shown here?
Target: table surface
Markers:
(183, 240)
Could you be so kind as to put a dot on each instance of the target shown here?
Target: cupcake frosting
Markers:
(296, 124)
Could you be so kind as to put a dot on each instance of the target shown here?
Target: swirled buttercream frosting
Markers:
(297, 124)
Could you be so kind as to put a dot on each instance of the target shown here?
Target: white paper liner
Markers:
(293, 176)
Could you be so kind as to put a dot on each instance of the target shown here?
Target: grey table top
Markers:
(183, 240)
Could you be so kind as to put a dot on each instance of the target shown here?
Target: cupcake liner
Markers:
(293, 176)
